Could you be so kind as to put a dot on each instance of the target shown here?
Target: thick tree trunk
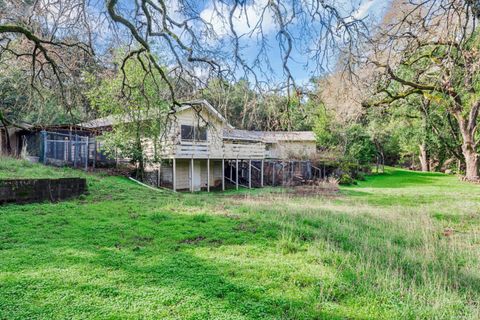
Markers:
(471, 161)
(469, 150)
(423, 157)
(8, 143)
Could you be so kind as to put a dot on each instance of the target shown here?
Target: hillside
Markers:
(400, 245)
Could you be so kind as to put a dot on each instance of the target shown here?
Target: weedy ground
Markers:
(400, 245)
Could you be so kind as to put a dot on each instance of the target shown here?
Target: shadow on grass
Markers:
(151, 249)
(149, 241)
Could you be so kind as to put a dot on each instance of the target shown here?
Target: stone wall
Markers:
(38, 190)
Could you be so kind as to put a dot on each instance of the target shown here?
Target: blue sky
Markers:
(301, 64)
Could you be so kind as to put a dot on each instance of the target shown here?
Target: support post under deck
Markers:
(236, 175)
(191, 175)
(223, 174)
(250, 173)
(208, 175)
(273, 173)
(261, 174)
(174, 175)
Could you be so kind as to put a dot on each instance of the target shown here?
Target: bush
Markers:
(360, 176)
(346, 180)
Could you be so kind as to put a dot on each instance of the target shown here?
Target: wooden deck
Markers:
(186, 150)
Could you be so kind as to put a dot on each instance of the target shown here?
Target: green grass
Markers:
(377, 251)
(11, 168)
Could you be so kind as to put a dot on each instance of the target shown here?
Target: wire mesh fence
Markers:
(67, 149)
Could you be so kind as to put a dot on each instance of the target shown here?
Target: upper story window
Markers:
(201, 133)
(191, 133)
(187, 132)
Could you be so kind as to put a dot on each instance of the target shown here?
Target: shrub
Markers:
(346, 180)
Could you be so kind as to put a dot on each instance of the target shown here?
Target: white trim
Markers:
(188, 104)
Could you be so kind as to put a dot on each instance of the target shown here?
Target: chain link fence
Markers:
(67, 150)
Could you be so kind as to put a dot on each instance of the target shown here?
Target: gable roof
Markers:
(111, 120)
(275, 136)
(208, 107)
(268, 136)
(99, 123)
(244, 135)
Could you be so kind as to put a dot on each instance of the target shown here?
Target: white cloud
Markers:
(363, 10)
(245, 19)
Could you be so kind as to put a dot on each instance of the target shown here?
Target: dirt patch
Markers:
(195, 240)
(321, 189)
(325, 190)
(245, 227)
(142, 241)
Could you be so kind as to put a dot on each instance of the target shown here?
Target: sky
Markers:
(301, 64)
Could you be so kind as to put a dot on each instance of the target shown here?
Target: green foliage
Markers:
(247, 109)
(135, 102)
(346, 180)
(327, 131)
(20, 103)
(359, 146)
(352, 141)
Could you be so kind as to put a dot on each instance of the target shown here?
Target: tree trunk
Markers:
(468, 128)
(471, 162)
(7, 137)
(423, 157)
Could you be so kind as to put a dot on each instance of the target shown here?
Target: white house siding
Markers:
(183, 173)
(293, 150)
(192, 118)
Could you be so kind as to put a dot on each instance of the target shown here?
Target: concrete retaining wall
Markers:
(38, 190)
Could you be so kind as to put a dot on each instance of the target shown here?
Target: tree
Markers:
(49, 41)
(435, 53)
(138, 110)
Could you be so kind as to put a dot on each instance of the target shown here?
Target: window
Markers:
(190, 133)
(201, 134)
(187, 132)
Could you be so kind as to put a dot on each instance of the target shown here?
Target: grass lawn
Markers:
(22, 169)
(375, 251)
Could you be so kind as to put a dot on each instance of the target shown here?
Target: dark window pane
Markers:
(187, 132)
(201, 134)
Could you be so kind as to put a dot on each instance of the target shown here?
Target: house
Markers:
(201, 150)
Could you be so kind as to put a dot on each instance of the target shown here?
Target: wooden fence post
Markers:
(87, 151)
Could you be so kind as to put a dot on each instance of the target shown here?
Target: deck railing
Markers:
(192, 150)
(245, 151)
(207, 150)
